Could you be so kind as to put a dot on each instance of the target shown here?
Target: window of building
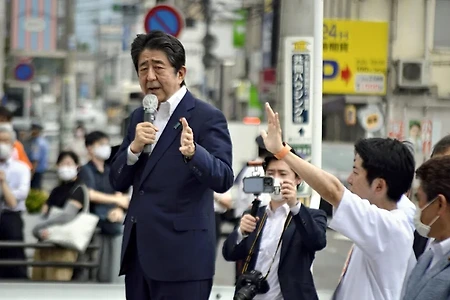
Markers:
(441, 24)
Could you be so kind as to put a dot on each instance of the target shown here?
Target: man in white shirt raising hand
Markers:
(367, 214)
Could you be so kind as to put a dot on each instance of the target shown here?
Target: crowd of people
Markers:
(178, 172)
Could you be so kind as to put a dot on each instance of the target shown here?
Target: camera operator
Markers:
(279, 245)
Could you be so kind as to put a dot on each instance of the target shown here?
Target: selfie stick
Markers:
(256, 202)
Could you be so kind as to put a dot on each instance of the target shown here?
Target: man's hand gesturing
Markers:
(187, 146)
(145, 135)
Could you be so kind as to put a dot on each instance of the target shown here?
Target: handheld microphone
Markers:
(150, 104)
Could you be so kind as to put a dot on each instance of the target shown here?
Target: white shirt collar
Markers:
(284, 209)
(175, 99)
(440, 248)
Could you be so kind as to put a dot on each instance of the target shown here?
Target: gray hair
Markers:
(6, 127)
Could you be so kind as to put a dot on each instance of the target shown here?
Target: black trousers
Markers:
(139, 287)
(36, 181)
(11, 229)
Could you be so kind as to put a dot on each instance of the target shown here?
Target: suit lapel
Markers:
(418, 273)
(287, 238)
(420, 276)
(424, 276)
(169, 134)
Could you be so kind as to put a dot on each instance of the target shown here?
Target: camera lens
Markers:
(246, 293)
(268, 181)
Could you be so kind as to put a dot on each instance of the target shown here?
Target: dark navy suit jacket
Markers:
(172, 202)
(305, 235)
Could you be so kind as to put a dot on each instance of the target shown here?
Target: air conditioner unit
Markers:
(413, 74)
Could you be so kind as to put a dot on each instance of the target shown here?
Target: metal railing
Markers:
(92, 263)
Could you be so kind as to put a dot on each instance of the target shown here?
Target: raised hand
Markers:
(187, 146)
(272, 137)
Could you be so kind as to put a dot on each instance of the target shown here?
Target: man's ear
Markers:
(298, 180)
(379, 184)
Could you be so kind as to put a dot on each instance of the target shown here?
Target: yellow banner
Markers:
(355, 55)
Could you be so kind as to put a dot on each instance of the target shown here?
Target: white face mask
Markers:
(276, 195)
(66, 173)
(5, 151)
(102, 152)
(421, 228)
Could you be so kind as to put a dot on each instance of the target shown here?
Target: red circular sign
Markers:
(165, 18)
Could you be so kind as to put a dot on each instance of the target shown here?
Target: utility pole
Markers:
(2, 45)
(69, 97)
(302, 19)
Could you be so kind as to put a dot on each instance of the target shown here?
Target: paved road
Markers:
(327, 268)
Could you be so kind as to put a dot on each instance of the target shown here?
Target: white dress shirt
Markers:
(383, 254)
(440, 250)
(18, 178)
(270, 236)
(163, 115)
(409, 208)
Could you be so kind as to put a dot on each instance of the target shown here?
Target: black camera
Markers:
(250, 284)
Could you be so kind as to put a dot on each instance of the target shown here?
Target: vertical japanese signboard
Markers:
(298, 93)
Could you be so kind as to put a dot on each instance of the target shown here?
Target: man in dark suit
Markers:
(301, 231)
(168, 249)
(442, 148)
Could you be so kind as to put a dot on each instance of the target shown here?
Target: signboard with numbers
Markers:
(355, 56)
(298, 90)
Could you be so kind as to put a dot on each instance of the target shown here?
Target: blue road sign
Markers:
(165, 18)
(24, 72)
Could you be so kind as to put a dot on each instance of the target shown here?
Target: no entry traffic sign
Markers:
(24, 72)
(165, 18)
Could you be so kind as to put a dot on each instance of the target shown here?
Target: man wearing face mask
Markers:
(15, 179)
(282, 240)
(108, 204)
(430, 277)
(442, 148)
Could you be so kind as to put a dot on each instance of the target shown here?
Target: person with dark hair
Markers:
(442, 148)
(168, 248)
(429, 280)
(242, 201)
(108, 204)
(282, 241)
(366, 213)
(68, 196)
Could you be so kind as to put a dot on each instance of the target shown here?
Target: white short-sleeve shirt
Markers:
(382, 256)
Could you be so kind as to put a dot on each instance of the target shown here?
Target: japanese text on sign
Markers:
(301, 64)
(354, 57)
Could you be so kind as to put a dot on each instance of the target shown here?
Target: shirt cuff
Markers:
(240, 236)
(132, 158)
(296, 209)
